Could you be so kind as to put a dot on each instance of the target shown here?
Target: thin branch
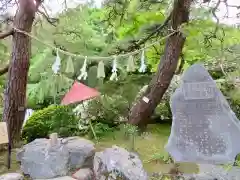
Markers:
(157, 30)
(70, 32)
(52, 21)
(44, 13)
(182, 62)
(156, 50)
(136, 44)
(4, 70)
(6, 34)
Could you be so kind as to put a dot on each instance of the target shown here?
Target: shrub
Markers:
(100, 130)
(232, 94)
(54, 118)
(108, 110)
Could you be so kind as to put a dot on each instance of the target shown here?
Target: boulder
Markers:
(11, 176)
(116, 162)
(40, 160)
(81, 151)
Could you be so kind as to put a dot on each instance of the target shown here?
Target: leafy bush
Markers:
(163, 109)
(100, 130)
(232, 94)
(54, 118)
(107, 109)
(100, 114)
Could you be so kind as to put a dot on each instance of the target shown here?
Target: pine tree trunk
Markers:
(15, 92)
(142, 111)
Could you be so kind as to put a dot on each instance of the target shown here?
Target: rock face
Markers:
(204, 129)
(11, 176)
(116, 162)
(41, 161)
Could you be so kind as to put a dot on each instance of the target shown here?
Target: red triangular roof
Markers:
(79, 92)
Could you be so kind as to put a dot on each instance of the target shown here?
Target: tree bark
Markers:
(15, 92)
(141, 112)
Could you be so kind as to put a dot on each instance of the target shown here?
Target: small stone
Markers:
(11, 176)
(83, 174)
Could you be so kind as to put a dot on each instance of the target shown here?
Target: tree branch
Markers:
(136, 44)
(180, 67)
(70, 32)
(4, 70)
(52, 21)
(6, 34)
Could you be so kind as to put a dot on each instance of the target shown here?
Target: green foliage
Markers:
(92, 80)
(100, 130)
(81, 30)
(161, 157)
(55, 118)
(127, 86)
(131, 132)
(163, 110)
(92, 36)
(51, 87)
(230, 91)
(40, 63)
(108, 110)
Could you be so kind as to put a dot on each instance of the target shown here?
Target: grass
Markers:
(149, 146)
(3, 162)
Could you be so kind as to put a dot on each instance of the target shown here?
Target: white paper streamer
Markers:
(83, 70)
(114, 70)
(101, 70)
(131, 65)
(69, 66)
(143, 66)
(56, 65)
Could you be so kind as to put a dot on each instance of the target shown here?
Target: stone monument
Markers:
(204, 128)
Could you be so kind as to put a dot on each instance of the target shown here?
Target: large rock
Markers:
(42, 161)
(81, 151)
(204, 129)
(116, 162)
(11, 176)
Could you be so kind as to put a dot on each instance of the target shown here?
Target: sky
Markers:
(55, 6)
